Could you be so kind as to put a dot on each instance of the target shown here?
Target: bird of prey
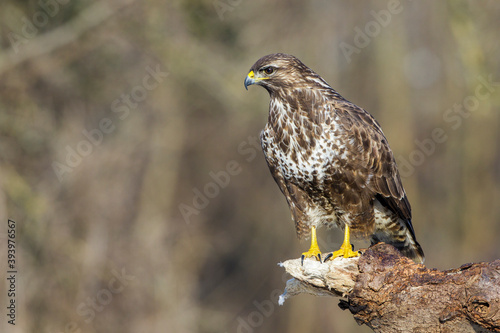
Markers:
(331, 160)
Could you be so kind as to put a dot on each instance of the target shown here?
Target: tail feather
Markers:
(394, 229)
(411, 249)
(404, 241)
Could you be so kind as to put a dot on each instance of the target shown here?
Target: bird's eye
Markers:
(269, 70)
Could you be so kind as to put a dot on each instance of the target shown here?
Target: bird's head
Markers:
(281, 71)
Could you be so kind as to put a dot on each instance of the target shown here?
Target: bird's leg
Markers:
(346, 247)
(314, 249)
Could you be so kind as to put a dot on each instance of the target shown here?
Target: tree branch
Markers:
(67, 33)
(390, 293)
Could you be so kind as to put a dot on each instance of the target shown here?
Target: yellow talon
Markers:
(346, 247)
(314, 249)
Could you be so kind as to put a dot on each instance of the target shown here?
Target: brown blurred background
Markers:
(129, 155)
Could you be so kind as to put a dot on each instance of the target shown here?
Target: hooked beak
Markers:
(249, 80)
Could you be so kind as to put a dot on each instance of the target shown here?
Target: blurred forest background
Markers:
(129, 155)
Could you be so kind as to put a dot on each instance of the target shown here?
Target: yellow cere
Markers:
(251, 75)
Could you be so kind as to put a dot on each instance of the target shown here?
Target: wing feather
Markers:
(375, 157)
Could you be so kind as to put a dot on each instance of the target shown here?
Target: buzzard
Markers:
(331, 160)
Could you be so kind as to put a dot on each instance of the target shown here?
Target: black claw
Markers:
(319, 257)
(352, 247)
(302, 260)
(328, 256)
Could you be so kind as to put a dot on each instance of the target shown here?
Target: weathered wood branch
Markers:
(390, 293)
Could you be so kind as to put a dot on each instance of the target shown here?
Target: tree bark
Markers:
(390, 293)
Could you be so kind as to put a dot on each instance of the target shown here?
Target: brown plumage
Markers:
(330, 157)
